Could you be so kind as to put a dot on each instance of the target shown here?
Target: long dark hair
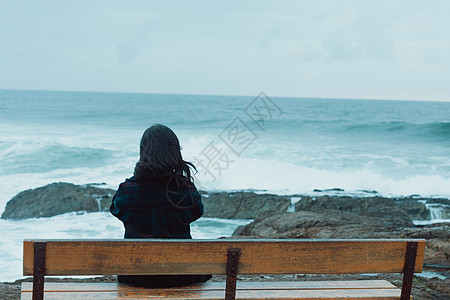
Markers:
(160, 157)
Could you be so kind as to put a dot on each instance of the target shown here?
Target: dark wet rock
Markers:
(329, 190)
(328, 224)
(437, 201)
(437, 251)
(333, 224)
(369, 191)
(413, 208)
(244, 205)
(57, 198)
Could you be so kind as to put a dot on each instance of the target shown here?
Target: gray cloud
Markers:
(354, 48)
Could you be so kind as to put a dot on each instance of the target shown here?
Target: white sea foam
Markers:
(396, 149)
(429, 222)
(287, 167)
(282, 177)
(260, 173)
(82, 226)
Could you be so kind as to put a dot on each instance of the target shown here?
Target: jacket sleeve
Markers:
(197, 210)
(114, 209)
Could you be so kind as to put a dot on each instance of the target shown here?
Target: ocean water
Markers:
(278, 145)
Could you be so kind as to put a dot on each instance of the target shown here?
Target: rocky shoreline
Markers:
(60, 197)
(275, 216)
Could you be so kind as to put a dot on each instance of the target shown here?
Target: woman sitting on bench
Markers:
(159, 201)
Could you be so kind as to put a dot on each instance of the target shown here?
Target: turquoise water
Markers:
(280, 145)
(392, 147)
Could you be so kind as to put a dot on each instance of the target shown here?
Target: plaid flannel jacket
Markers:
(156, 209)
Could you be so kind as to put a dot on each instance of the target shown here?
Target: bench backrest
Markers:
(163, 256)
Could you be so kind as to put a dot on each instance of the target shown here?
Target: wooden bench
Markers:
(227, 257)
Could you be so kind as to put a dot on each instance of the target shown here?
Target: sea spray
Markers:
(436, 212)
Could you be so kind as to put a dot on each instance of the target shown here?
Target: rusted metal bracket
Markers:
(408, 270)
(232, 271)
(39, 270)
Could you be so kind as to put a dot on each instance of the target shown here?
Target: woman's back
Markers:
(156, 208)
(159, 201)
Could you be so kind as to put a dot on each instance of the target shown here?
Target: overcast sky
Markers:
(340, 49)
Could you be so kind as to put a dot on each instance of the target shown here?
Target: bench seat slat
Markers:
(241, 285)
(361, 294)
(209, 257)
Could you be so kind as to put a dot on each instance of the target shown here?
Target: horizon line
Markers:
(223, 95)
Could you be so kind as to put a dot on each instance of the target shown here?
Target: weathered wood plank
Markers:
(241, 285)
(110, 257)
(360, 294)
